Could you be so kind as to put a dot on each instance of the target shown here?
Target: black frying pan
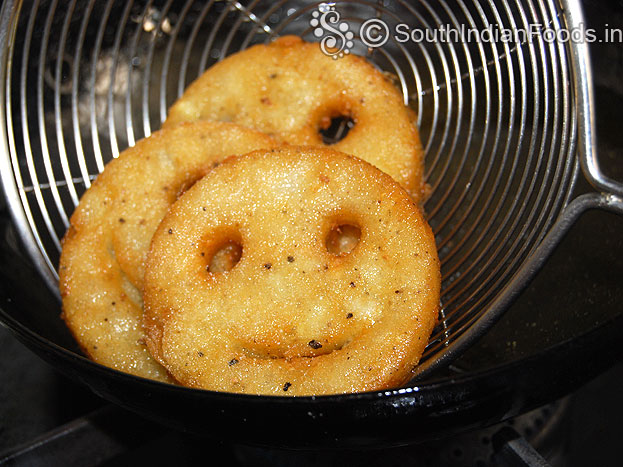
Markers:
(516, 367)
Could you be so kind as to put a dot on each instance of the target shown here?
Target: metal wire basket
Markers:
(506, 125)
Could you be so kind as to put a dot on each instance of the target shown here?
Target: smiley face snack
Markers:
(297, 312)
(292, 91)
(104, 250)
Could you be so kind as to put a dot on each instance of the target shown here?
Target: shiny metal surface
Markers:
(504, 125)
(586, 106)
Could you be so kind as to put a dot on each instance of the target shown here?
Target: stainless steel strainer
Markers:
(506, 125)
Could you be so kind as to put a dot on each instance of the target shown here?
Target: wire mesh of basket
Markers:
(505, 120)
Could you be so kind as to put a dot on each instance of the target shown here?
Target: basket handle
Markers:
(585, 106)
(516, 285)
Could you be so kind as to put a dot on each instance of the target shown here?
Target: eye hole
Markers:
(333, 130)
(342, 239)
(225, 257)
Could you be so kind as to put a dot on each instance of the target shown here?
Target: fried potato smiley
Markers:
(299, 312)
(102, 261)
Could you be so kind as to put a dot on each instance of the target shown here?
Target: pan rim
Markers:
(435, 385)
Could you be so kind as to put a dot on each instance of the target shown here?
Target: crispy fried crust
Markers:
(291, 90)
(291, 318)
(102, 262)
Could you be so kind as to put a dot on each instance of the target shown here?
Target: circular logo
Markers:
(374, 33)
